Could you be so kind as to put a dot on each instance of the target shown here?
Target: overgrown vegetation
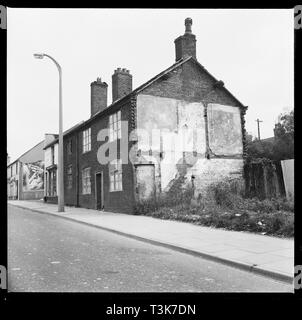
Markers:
(280, 147)
(223, 206)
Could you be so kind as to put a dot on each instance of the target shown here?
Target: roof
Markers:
(51, 143)
(177, 64)
(11, 163)
(64, 133)
(23, 154)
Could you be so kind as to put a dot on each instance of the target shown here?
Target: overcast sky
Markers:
(250, 50)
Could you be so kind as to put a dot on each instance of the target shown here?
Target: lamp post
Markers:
(60, 155)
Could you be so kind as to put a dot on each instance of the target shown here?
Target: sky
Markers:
(250, 50)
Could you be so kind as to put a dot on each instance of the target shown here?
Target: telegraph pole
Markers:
(258, 121)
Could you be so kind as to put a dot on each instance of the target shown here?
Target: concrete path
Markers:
(270, 256)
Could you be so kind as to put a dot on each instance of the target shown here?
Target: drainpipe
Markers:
(77, 168)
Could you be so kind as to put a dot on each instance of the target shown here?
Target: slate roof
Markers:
(64, 133)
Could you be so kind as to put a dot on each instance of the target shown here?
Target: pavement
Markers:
(261, 254)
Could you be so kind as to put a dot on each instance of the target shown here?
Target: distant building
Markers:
(25, 176)
(13, 180)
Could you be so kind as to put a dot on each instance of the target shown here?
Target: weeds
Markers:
(223, 206)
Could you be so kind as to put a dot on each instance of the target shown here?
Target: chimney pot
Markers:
(188, 24)
(185, 45)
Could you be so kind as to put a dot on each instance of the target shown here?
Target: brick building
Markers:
(205, 121)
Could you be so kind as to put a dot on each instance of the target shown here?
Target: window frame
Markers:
(86, 181)
(69, 147)
(69, 176)
(115, 175)
(86, 140)
(115, 126)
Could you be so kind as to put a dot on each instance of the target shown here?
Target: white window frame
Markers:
(115, 123)
(86, 181)
(116, 175)
(86, 143)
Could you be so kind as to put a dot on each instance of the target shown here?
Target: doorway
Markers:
(99, 194)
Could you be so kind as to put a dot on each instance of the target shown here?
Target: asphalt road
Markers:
(47, 253)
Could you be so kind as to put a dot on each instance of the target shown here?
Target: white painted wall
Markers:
(288, 177)
(47, 157)
(177, 117)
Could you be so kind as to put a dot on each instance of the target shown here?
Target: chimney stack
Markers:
(98, 96)
(121, 83)
(186, 45)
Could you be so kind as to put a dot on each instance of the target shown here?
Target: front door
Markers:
(99, 191)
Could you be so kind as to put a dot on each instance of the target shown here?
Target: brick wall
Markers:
(70, 195)
(121, 201)
(189, 83)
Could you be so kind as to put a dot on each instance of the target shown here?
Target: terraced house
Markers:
(184, 98)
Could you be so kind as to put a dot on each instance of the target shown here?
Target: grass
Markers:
(224, 207)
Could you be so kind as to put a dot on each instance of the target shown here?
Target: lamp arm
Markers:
(55, 62)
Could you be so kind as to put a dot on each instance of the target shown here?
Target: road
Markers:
(50, 254)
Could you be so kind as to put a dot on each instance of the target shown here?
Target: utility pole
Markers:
(258, 121)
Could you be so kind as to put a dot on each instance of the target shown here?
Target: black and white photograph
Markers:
(150, 151)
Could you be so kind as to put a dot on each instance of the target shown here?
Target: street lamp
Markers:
(60, 156)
